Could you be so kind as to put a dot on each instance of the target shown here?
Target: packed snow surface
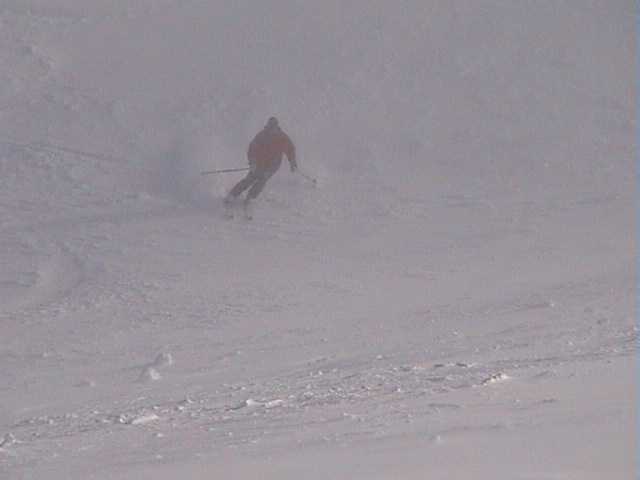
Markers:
(453, 298)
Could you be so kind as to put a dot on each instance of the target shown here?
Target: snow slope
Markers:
(454, 299)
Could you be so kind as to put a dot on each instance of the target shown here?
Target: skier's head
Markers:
(272, 123)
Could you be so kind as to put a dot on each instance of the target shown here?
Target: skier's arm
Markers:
(290, 152)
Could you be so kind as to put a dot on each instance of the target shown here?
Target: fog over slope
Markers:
(453, 299)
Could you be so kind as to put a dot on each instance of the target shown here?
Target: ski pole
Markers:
(224, 170)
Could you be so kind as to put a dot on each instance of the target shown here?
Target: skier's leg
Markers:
(257, 187)
(253, 192)
(242, 185)
(261, 180)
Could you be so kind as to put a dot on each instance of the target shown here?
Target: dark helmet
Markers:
(272, 123)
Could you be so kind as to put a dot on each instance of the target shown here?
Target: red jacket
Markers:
(266, 149)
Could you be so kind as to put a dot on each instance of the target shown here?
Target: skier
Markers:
(265, 157)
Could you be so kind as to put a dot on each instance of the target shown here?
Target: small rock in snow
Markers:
(249, 403)
(149, 374)
(8, 440)
(163, 359)
(497, 377)
(144, 419)
(274, 403)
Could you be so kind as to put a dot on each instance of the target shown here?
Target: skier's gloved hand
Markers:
(294, 167)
